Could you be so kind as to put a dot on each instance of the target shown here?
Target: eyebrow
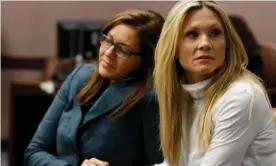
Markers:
(195, 28)
(109, 35)
(217, 25)
(212, 26)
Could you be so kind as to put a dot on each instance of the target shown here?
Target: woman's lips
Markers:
(205, 57)
(106, 64)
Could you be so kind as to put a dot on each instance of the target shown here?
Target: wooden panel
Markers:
(29, 105)
(23, 62)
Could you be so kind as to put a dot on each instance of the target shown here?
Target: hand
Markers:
(94, 162)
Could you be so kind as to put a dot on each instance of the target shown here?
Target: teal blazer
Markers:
(65, 137)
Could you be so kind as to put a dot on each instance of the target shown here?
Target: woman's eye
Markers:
(123, 50)
(109, 41)
(192, 34)
(215, 32)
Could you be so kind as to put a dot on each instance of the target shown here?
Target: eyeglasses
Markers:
(120, 50)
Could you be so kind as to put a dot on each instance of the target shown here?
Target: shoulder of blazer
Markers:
(81, 77)
(151, 94)
(150, 97)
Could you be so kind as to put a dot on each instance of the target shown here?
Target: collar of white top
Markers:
(196, 90)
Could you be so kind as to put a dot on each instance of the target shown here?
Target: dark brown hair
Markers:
(148, 25)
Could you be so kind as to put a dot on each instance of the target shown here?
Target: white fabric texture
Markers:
(244, 131)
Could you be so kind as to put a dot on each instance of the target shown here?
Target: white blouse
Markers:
(244, 131)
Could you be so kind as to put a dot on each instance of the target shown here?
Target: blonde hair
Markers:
(175, 115)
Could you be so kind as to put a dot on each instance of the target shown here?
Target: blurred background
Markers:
(41, 42)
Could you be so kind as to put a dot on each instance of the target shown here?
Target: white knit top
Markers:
(244, 132)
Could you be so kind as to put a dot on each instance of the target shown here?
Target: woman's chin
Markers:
(206, 71)
(103, 72)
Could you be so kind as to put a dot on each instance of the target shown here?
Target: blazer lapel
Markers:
(111, 98)
(73, 120)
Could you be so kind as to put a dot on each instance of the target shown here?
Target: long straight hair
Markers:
(174, 102)
(148, 25)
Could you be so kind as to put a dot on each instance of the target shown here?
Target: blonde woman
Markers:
(213, 111)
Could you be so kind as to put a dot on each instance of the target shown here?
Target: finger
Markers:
(98, 162)
(85, 163)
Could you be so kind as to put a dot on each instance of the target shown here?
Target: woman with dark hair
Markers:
(106, 114)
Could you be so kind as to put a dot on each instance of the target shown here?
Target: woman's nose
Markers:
(204, 43)
(110, 51)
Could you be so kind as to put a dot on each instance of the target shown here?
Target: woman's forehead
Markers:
(197, 16)
(125, 34)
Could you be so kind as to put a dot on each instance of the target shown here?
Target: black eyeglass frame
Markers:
(118, 46)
